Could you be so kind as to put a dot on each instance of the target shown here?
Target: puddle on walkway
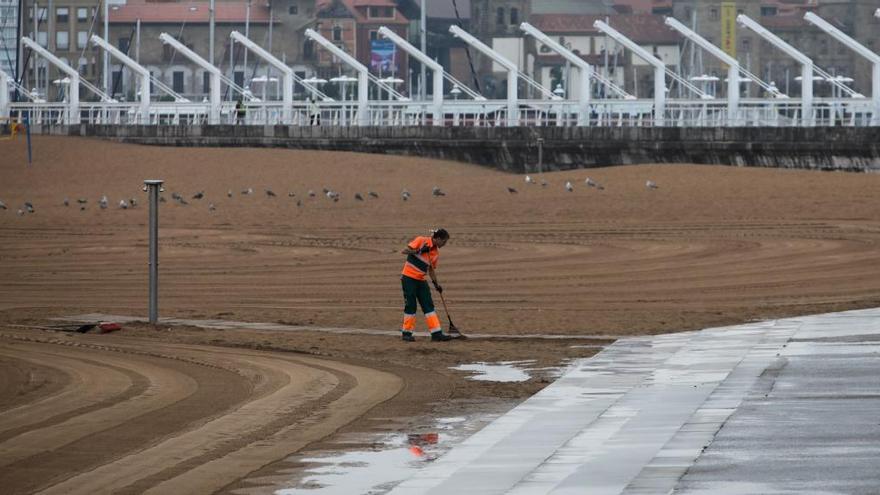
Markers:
(510, 371)
(389, 459)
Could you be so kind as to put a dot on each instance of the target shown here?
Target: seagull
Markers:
(182, 201)
(174, 195)
(651, 185)
(28, 206)
(590, 182)
(437, 192)
(358, 197)
(66, 201)
(373, 194)
(199, 195)
(511, 190)
(82, 208)
(299, 203)
(123, 204)
(132, 202)
(291, 194)
(405, 195)
(20, 212)
(82, 201)
(211, 207)
(311, 193)
(103, 202)
(543, 183)
(2, 205)
(530, 180)
(229, 193)
(568, 186)
(247, 191)
(161, 199)
(270, 193)
(326, 190)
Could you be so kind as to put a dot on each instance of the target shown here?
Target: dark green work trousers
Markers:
(416, 290)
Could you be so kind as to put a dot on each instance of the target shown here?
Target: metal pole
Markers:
(540, 155)
(106, 55)
(247, 34)
(423, 86)
(211, 33)
(153, 191)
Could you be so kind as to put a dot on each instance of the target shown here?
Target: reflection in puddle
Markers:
(505, 371)
(391, 459)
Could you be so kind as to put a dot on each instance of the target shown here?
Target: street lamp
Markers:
(343, 81)
(559, 91)
(455, 91)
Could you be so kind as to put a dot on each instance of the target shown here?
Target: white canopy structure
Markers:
(214, 100)
(363, 74)
(72, 116)
(140, 70)
(510, 67)
(861, 50)
(805, 61)
(585, 69)
(436, 70)
(733, 72)
(286, 73)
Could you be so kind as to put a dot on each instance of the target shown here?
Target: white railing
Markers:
(780, 112)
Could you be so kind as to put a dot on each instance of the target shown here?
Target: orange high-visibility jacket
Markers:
(416, 265)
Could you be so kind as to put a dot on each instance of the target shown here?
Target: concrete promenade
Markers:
(779, 407)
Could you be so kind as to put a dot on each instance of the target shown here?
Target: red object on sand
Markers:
(109, 327)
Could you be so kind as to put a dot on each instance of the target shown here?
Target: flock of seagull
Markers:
(405, 195)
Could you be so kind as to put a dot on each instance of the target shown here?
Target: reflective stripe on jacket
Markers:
(416, 265)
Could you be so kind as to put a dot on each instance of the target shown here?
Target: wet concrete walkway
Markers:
(780, 407)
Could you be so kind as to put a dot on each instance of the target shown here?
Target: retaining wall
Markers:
(515, 149)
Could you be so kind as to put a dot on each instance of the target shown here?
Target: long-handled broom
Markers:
(453, 330)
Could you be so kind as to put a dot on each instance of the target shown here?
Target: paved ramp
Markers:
(786, 406)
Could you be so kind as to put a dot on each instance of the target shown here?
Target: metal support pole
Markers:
(211, 33)
(423, 31)
(540, 155)
(153, 187)
(106, 55)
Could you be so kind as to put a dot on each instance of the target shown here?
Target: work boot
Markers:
(408, 337)
(440, 337)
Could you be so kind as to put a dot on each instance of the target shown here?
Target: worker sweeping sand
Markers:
(422, 255)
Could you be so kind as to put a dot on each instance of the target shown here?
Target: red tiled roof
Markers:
(189, 12)
(641, 28)
(353, 7)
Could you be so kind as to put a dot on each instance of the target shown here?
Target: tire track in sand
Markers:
(290, 401)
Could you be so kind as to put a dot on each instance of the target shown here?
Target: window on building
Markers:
(124, 44)
(62, 40)
(177, 81)
(43, 39)
(499, 16)
(299, 88)
(746, 45)
(206, 82)
(293, 9)
(62, 15)
(374, 35)
(238, 78)
(82, 39)
(688, 13)
(514, 16)
(337, 33)
(116, 84)
(823, 46)
(713, 14)
(42, 14)
(768, 11)
(381, 12)
(82, 14)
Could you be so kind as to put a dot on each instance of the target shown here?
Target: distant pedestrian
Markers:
(240, 112)
(314, 112)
